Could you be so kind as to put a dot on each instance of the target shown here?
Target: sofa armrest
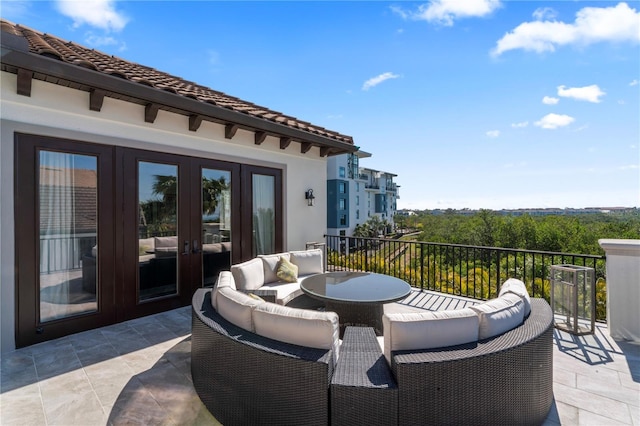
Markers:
(269, 295)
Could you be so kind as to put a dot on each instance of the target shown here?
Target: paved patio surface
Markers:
(138, 373)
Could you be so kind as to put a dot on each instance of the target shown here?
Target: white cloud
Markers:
(553, 121)
(97, 41)
(96, 13)
(548, 100)
(374, 81)
(587, 93)
(444, 12)
(633, 83)
(520, 125)
(543, 13)
(629, 167)
(618, 23)
(493, 133)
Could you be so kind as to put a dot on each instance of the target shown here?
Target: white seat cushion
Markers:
(308, 261)
(285, 292)
(499, 315)
(302, 327)
(248, 275)
(515, 286)
(270, 265)
(225, 279)
(427, 330)
(237, 307)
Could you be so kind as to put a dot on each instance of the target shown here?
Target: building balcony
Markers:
(138, 372)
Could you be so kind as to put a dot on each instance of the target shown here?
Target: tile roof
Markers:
(71, 53)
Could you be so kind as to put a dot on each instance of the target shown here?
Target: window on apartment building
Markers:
(342, 172)
(343, 204)
(357, 200)
(357, 214)
(352, 163)
(342, 188)
(357, 186)
(343, 219)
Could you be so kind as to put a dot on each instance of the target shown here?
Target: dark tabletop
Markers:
(355, 287)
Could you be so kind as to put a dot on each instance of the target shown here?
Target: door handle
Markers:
(186, 248)
(195, 250)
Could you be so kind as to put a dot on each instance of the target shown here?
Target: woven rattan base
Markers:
(363, 390)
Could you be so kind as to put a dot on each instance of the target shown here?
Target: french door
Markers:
(64, 210)
(178, 230)
(105, 234)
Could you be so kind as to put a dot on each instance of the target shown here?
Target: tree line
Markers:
(557, 233)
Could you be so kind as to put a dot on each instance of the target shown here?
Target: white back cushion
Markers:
(426, 330)
(236, 307)
(302, 327)
(308, 261)
(248, 275)
(515, 286)
(161, 242)
(499, 315)
(225, 279)
(270, 265)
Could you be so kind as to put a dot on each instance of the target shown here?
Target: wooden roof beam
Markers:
(284, 142)
(24, 82)
(96, 99)
(305, 147)
(324, 151)
(230, 130)
(151, 112)
(259, 137)
(195, 121)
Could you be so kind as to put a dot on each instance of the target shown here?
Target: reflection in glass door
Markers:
(215, 224)
(158, 246)
(264, 215)
(68, 234)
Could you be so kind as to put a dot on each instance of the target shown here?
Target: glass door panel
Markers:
(68, 234)
(264, 214)
(215, 224)
(158, 242)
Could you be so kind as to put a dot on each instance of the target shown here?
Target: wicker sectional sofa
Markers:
(249, 374)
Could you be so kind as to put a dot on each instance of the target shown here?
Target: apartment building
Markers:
(354, 194)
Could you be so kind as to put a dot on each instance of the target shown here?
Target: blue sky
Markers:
(473, 104)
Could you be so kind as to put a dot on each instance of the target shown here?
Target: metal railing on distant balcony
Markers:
(469, 271)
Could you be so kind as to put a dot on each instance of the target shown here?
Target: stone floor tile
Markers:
(22, 406)
(102, 352)
(136, 406)
(564, 376)
(55, 362)
(608, 387)
(588, 418)
(593, 403)
(17, 370)
(567, 414)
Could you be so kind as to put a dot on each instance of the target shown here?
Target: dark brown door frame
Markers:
(117, 228)
(247, 172)
(29, 329)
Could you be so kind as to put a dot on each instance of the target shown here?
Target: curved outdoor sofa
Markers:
(244, 378)
(507, 379)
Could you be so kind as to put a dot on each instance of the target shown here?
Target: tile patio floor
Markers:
(138, 372)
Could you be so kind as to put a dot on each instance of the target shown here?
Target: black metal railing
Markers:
(469, 271)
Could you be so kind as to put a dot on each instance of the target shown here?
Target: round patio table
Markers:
(357, 297)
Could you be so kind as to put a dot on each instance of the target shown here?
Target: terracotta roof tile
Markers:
(54, 47)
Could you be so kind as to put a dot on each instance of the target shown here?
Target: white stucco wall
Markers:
(61, 112)
(623, 288)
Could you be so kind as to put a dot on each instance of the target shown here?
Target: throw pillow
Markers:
(287, 271)
(256, 297)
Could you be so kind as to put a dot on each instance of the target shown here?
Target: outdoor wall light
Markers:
(308, 195)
